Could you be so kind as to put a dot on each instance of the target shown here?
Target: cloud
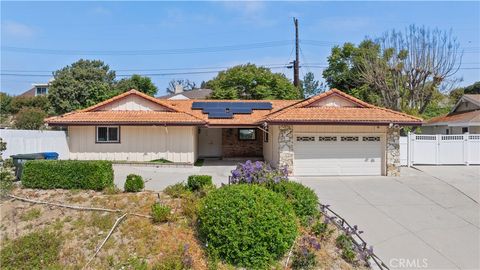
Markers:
(17, 30)
(249, 11)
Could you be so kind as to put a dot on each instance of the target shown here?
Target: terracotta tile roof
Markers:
(463, 117)
(363, 114)
(125, 117)
(283, 111)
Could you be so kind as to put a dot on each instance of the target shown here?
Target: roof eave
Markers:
(353, 123)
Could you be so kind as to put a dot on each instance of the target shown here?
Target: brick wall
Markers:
(232, 147)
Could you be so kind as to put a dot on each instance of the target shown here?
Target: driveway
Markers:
(158, 177)
(427, 218)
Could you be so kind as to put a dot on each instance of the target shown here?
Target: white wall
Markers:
(34, 141)
(137, 143)
(132, 103)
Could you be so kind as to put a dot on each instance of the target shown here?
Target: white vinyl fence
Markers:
(34, 141)
(462, 149)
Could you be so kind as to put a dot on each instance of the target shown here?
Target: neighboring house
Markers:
(39, 89)
(180, 94)
(328, 134)
(464, 118)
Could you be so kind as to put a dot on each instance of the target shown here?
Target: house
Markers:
(328, 134)
(464, 118)
(38, 89)
(180, 94)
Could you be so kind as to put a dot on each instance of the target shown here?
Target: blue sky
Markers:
(70, 29)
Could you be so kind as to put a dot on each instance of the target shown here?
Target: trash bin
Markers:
(20, 159)
(50, 155)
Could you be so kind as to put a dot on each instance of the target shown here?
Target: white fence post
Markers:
(465, 148)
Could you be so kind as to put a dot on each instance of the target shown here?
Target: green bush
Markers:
(246, 225)
(134, 183)
(37, 250)
(321, 229)
(197, 182)
(160, 212)
(345, 243)
(303, 199)
(67, 174)
(29, 118)
(178, 190)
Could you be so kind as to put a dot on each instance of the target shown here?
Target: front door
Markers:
(210, 142)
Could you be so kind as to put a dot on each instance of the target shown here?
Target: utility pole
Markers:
(296, 63)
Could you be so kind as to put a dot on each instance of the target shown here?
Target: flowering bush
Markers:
(257, 173)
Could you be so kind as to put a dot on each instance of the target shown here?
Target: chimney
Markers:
(178, 88)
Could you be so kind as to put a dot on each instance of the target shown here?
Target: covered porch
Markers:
(232, 142)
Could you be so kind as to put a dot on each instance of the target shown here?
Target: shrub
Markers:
(7, 176)
(303, 199)
(197, 182)
(177, 190)
(67, 174)
(257, 173)
(160, 212)
(345, 243)
(321, 229)
(29, 118)
(21, 102)
(37, 250)
(246, 225)
(134, 183)
(304, 255)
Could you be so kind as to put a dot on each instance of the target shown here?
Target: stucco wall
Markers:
(132, 103)
(137, 143)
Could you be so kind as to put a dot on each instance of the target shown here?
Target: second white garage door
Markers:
(319, 154)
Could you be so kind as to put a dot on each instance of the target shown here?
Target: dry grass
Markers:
(137, 242)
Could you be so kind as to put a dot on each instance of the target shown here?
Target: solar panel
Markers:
(228, 109)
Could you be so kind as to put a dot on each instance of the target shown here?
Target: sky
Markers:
(194, 40)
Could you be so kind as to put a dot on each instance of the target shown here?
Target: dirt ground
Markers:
(136, 239)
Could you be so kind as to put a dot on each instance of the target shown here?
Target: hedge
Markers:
(67, 174)
(134, 183)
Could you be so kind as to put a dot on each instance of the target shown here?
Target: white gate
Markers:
(440, 149)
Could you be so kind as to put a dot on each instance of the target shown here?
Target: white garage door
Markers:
(347, 154)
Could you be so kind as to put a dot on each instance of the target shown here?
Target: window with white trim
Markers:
(327, 138)
(349, 139)
(371, 139)
(110, 134)
(305, 139)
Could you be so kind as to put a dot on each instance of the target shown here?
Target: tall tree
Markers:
(310, 86)
(186, 85)
(251, 82)
(343, 72)
(137, 82)
(81, 84)
(457, 93)
(412, 67)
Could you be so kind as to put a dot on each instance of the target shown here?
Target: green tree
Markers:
(140, 83)
(251, 82)
(81, 84)
(457, 93)
(310, 86)
(39, 102)
(29, 118)
(5, 100)
(343, 72)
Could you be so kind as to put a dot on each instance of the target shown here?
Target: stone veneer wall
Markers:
(233, 147)
(393, 152)
(285, 147)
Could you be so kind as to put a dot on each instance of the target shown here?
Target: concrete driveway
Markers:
(426, 219)
(158, 177)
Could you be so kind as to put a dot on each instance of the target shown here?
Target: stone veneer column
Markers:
(285, 147)
(393, 151)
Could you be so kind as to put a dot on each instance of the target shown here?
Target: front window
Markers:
(41, 91)
(247, 134)
(108, 135)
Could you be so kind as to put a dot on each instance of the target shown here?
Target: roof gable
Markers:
(132, 100)
(467, 103)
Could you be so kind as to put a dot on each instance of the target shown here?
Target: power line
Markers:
(213, 49)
